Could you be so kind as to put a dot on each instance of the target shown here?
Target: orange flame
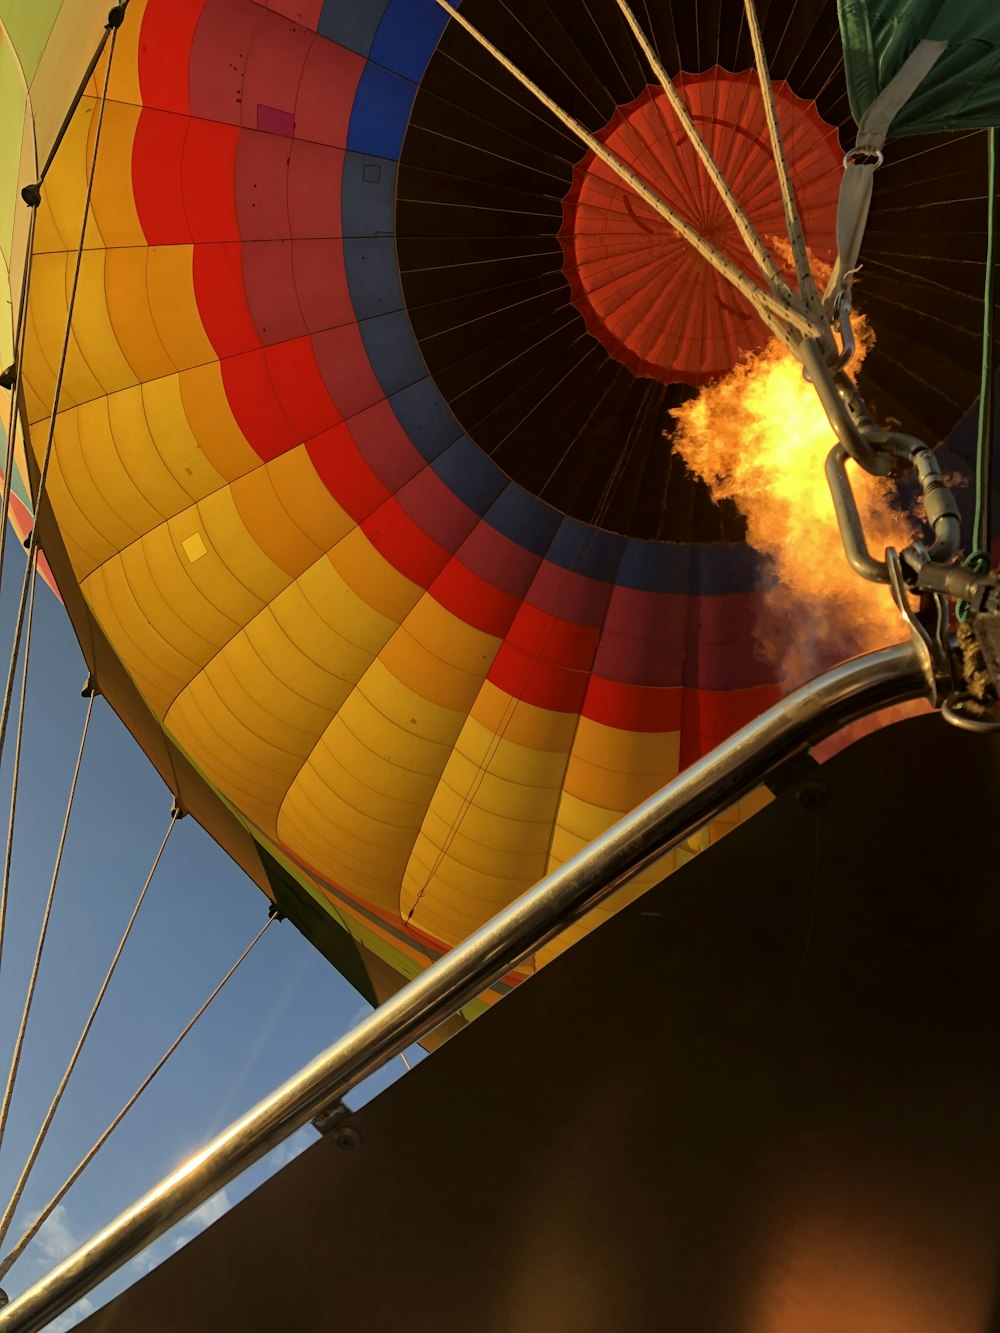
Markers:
(760, 437)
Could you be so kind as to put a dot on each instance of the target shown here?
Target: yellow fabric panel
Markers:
(523, 723)
(86, 545)
(263, 702)
(90, 474)
(95, 365)
(355, 811)
(123, 465)
(264, 497)
(131, 316)
(439, 656)
(459, 898)
(176, 612)
(13, 101)
(125, 602)
(123, 85)
(212, 424)
(378, 582)
(113, 202)
(68, 51)
(618, 769)
(174, 309)
(491, 814)
(299, 490)
(57, 228)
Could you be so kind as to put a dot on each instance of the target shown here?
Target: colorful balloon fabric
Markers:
(361, 500)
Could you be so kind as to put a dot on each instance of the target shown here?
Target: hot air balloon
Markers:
(361, 494)
(349, 385)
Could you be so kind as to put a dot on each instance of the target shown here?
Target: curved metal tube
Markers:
(848, 431)
(744, 761)
(852, 533)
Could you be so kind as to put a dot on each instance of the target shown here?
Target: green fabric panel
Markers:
(12, 105)
(319, 923)
(962, 91)
(28, 24)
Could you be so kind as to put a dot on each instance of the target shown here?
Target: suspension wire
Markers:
(982, 529)
(807, 283)
(9, 1259)
(16, 767)
(751, 239)
(43, 931)
(57, 393)
(15, 1198)
(777, 315)
(114, 22)
(20, 335)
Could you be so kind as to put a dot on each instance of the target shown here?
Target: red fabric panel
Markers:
(300, 388)
(221, 297)
(396, 537)
(633, 707)
(710, 716)
(523, 676)
(474, 600)
(208, 167)
(256, 405)
(345, 473)
(168, 32)
(157, 172)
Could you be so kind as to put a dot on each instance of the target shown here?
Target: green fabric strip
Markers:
(962, 91)
(318, 924)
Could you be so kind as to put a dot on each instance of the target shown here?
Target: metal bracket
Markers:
(931, 644)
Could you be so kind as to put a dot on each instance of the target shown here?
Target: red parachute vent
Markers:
(653, 302)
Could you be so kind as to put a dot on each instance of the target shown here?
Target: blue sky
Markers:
(285, 1004)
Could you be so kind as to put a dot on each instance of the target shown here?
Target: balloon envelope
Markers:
(360, 496)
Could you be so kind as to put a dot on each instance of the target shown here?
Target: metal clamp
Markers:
(939, 505)
(931, 643)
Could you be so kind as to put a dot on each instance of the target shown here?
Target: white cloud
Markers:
(210, 1211)
(56, 1239)
(72, 1316)
(290, 1149)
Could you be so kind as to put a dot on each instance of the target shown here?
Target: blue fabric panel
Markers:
(407, 36)
(587, 550)
(423, 414)
(709, 570)
(373, 276)
(393, 351)
(473, 477)
(524, 519)
(368, 196)
(381, 112)
(352, 23)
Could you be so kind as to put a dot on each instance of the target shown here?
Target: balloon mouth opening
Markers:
(653, 302)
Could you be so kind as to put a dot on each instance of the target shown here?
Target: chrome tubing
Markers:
(852, 532)
(734, 768)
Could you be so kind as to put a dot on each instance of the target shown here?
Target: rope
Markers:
(982, 524)
(982, 529)
(776, 315)
(20, 335)
(15, 1253)
(807, 283)
(8, 1214)
(57, 393)
(19, 1043)
(745, 227)
(16, 768)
